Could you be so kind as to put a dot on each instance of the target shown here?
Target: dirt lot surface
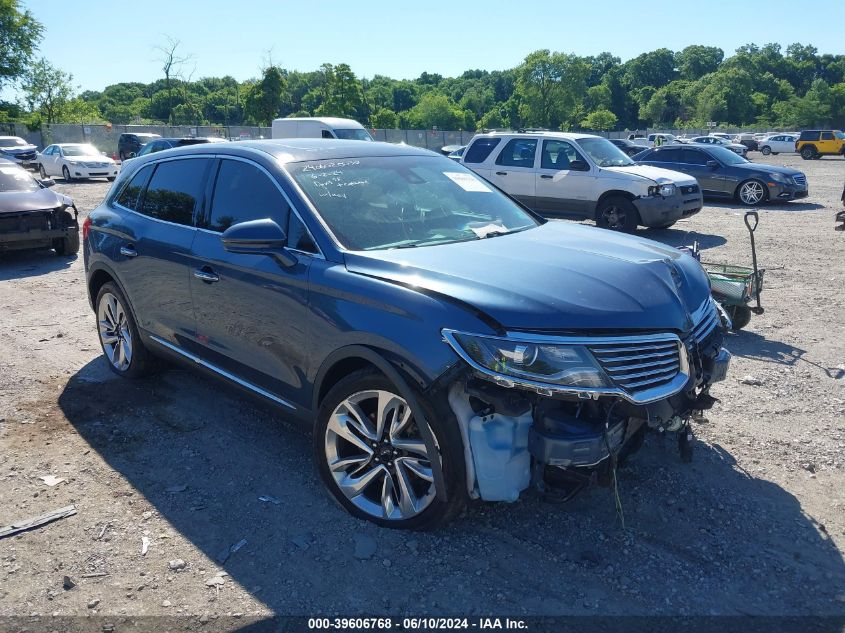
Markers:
(755, 525)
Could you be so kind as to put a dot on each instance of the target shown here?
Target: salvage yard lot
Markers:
(755, 525)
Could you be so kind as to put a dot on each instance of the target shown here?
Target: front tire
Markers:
(371, 457)
(740, 317)
(66, 173)
(42, 172)
(752, 193)
(617, 214)
(125, 353)
(662, 226)
(808, 152)
(766, 150)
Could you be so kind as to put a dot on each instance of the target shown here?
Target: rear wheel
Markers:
(740, 316)
(122, 346)
(808, 152)
(617, 214)
(752, 193)
(766, 150)
(372, 458)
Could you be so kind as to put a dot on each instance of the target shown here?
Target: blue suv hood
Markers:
(556, 277)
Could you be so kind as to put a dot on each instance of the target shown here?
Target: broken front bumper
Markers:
(660, 211)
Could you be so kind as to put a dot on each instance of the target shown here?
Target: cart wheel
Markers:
(740, 317)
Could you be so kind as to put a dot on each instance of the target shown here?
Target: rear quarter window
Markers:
(480, 150)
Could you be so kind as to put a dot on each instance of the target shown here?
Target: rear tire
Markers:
(340, 435)
(125, 352)
(740, 317)
(617, 214)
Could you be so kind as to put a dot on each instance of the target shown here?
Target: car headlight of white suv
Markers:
(666, 190)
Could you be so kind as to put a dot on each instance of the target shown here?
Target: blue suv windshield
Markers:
(373, 203)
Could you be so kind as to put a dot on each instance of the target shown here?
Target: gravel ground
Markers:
(755, 525)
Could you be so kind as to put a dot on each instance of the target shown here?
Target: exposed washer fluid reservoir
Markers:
(499, 445)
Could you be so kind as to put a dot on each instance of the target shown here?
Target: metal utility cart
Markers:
(736, 287)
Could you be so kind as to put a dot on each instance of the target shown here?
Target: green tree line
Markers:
(762, 86)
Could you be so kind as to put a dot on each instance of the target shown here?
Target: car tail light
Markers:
(86, 227)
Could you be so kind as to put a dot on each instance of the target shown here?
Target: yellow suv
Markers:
(814, 144)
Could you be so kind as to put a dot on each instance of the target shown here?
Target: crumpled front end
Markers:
(553, 408)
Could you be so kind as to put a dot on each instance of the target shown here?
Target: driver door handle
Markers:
(206, 274)
(128, 251)
(546, 176)
(501, 173)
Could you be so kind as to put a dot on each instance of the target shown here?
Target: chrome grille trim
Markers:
(634, 371)
(663, 384)
(705, 320)
(800, 180)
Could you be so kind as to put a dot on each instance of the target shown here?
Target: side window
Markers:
(174, 190)
(480, 150)
(519, 152)
(242, 193)
(327, 134)
(809, 136)
(558, 155)
(48, 151)
(827, 136)
(693, 157)
(131, 193)
(665, 156)
(298, 236)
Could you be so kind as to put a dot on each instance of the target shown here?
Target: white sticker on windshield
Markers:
(467, 182)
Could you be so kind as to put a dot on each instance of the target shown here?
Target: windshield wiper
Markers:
(493, 234)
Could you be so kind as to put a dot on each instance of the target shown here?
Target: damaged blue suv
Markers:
(442, 342)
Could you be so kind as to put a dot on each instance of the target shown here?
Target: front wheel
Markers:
(42, 172)
(66, 173)
(122, 346)
(752, 193)
(372, 458)
(617, 214)
(662, 226)
(808, 153)
(110, 178)
(766, 150)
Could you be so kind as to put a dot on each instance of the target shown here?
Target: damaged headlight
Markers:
(662, 190)
(535, 361)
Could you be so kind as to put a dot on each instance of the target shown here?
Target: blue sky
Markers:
(106, 43)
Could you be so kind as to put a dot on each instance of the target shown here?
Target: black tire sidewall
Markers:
(142, 360)
(66, 173)
(766, 150)
(632, 216)
(740, 317)
(445, 429)
(759, 182)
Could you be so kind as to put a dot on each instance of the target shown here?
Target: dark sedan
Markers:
(32, 216)
(723, 174)
(629, 147)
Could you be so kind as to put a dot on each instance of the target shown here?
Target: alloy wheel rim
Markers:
(114, 330)
(614, 216)
(751, 192)
(377, 457)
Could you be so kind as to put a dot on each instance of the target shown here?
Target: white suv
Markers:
(581, 176)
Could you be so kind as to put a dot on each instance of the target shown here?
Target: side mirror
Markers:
(47, 182)
(258, 237)
(578, 165)
(132, 154)
(712, 164)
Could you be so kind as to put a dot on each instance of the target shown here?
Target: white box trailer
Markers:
(320, 127)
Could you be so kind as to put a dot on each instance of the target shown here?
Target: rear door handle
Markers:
(206, 274)
(128, 251)
(546, 176)
(501, 173)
